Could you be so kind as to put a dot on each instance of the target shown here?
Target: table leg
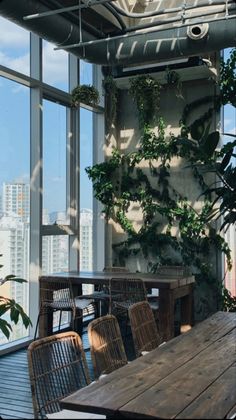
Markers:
(166, 313)
(77, 291)
(46, 317)
(187, 308)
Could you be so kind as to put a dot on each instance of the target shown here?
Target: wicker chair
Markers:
(58, 296)
(57, 368)
(106, 345)
(101, 295)
(124, 293)
(143, 327)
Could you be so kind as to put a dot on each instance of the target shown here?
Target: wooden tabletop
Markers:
(96, 277)
(192, 376)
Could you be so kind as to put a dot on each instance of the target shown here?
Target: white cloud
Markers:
(20, 63)
(12, 35)
(55, 64)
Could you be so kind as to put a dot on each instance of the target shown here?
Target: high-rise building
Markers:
(86, 232)
(16, 200)
(86, 245)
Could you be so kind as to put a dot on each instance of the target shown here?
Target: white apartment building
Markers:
(16, 199)
(86, 235)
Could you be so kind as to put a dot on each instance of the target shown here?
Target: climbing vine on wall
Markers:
(121, 182)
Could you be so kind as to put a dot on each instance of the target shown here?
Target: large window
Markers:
(54, 163)
(44, 153)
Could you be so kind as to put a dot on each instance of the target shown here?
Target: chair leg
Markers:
(59, 325)
(36, 327)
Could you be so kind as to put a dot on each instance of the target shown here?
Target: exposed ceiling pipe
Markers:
(116, 15)
(179, 18)
(130, 49)
(55, 29)
(159, 12)
(155, 46)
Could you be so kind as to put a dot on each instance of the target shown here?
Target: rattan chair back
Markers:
(58, 296)
(125, 292)
(57, 368)
(106, 345)
(143, 327)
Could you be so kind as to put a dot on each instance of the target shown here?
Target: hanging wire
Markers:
(226, 9)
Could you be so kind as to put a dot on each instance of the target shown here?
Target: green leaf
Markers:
(209, 145)
(12, 277)
(5, 327)
(197, 129)
(14, 314)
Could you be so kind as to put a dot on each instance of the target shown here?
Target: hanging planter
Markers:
(146, 93)
(86, 94)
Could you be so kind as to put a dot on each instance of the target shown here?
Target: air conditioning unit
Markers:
(193, 68)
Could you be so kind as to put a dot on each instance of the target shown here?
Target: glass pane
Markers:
(55, 251)
(55, 66)
(86, 75)
(14, 194)
(86, 194)
(14, 46)
(55, 254)
(54, 163)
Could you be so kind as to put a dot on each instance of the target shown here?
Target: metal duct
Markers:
(129, 49)
(55, 29)
(151, 46)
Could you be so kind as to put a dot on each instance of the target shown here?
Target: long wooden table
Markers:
(170, 287)
(192, 376)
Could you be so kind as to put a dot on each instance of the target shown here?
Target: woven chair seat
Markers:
(98, 295)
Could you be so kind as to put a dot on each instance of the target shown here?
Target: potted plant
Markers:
(87, 94)
(10, 306)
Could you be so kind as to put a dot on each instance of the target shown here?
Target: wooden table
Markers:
(170, 288)
(193, 376)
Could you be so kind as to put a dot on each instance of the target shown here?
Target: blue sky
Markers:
(14, 119)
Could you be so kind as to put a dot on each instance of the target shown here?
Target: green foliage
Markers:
(86, 94)
(146, 94)
(9, 305)
(229, 301)
(228, 79)
(111, 97)
(124, 181)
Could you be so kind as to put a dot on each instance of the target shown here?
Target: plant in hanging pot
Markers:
(87, 94)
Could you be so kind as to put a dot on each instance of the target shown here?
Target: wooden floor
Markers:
(15, 394)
